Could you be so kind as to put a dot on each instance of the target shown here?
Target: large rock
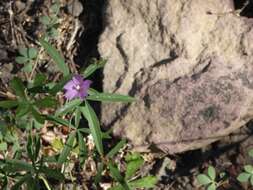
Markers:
(189, 63)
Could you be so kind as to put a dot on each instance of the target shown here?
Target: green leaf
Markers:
(28, 67)
(52, 173)
(23, 51)
(46, 102)
(32, 53)
(82, 147)
(53, 32)
(243, 177)
(3, 146)
(93, 67)
(29, 147)
(251, 153)
(55, 8)
(39, 80)
(67, 148)
(116, 148)
(8, 103)
(105, 135)
(98, 177)
(248, 168)
(108, 97)
(211, 172)
(17, 85)
(60, 121)
(145, 182)
(37, 116)
(36, 146)
(14, 165)
(23, 109)
(68, 107)
(21, 60)
(203, 179)
(118, 187)
(54, 54)
(133, 166)
(115, 173)
(45, 20)
(94, 126)
(77, 117)
(212, 187)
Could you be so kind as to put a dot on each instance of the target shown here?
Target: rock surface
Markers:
(189, 63)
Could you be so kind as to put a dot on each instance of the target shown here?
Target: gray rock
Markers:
(189, 64)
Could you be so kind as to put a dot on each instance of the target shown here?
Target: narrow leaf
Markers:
(145, 182)
(13, 165)
(116, 148)
(82, 147)
(94, 126)
(8, 103)
(98, 177)
(59, 121)
(68, 107)
(55, 55)
(108, 97)
(67, 148)
(115, 173)
(17, 85)
(93, 67)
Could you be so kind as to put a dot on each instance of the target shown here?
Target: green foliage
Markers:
(26, 57)
(51, 21)
(34, 103)
(55, 55)
(247, 175)
(208, 180)
(134, 162)
(94, 126)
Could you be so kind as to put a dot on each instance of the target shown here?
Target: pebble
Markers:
(75, 8)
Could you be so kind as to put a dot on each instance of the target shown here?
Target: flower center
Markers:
(77, 87)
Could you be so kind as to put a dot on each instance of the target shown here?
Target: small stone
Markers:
(75, 8)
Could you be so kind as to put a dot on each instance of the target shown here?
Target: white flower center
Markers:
(77, 87)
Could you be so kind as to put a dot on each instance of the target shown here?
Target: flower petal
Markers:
(77, 79)
(71, 94)
(86, 84)
(69, 85)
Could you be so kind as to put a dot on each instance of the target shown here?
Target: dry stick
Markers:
(8, 95)
(35, 65)
(74, 34)
(11, 13)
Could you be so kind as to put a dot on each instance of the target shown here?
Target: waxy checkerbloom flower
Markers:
(77, 87)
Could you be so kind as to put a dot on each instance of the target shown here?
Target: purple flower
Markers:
(77, 87)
